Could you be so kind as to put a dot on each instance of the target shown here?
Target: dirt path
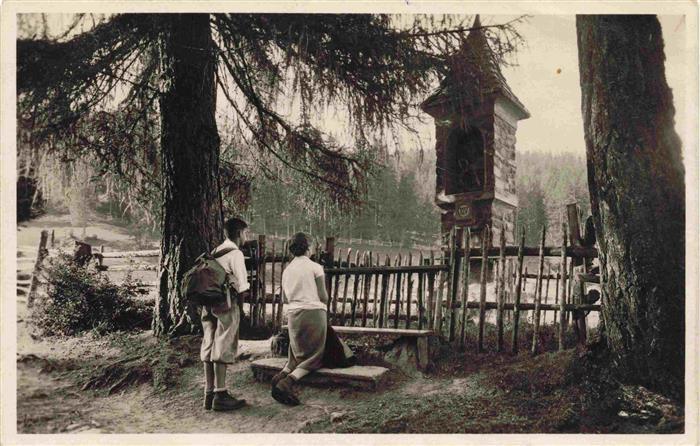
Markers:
(51, 402)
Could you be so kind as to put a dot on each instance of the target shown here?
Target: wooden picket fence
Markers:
(424, 292)
(421, 291)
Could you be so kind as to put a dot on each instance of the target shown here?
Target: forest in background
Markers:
(398, 206)
(546, 183)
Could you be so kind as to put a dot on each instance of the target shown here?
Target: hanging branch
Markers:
(372, 66)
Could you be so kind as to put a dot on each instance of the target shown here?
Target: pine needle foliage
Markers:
(95, 88)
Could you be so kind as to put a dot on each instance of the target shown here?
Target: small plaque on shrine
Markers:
(465, 212)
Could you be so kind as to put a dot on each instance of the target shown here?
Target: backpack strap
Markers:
(223, 252)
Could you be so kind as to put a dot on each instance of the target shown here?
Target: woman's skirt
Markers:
(307, 339)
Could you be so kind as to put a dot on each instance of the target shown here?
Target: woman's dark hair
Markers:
(234, 227)
(299, 244)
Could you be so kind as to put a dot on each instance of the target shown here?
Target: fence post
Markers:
(367, 287)
(40, 256)
(409, 290)
(397, 305)
(454, 280)
(262, 296)
(466, 242)
(444, 280)
(375, 307)
(511, 287)
(562, 297)
(382, 302)
(556, 297)
(482, 296)
(524, 296)
(546, 292)
(518, 292)
(421, 286)
(569, 291)
(353, 305)
(431, 294)
(280, 305)
(345, 288)
(273, 309)
(572, 217)
(538, 294)
(336, 289)
(254, 288)
(330, 249)
(500, 278)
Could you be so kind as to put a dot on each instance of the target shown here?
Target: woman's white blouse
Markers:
(299, 284)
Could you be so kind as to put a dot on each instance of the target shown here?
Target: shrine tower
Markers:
(476, 116)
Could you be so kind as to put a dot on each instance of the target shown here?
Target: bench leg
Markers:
(422, 353)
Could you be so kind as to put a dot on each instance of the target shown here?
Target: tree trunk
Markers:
(636, 183)
(192, 213)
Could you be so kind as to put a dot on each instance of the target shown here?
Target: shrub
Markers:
(81, 298)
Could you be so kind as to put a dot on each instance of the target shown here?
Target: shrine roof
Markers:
(475, 74)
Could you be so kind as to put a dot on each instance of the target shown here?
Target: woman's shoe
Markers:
(283, 392)
(277, 378)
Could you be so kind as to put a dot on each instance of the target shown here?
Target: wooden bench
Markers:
(357, 376)
(418, 339)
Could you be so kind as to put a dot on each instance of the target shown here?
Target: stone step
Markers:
(24, 276)
(362, 377)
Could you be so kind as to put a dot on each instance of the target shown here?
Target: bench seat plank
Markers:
(382, 331)
(341, 329)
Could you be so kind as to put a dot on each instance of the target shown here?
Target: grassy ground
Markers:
(499, 393)
(469, 392)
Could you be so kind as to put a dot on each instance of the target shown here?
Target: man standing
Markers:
(221, 322)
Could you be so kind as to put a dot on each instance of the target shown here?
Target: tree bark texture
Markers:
(636, 184)
(192, 213)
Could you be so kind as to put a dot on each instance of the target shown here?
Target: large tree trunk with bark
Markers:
(192, 215)
(636, 183)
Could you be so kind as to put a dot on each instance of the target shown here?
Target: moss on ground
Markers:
(466, 391)
(571, 391)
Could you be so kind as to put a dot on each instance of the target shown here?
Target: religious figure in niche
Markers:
(466, 150)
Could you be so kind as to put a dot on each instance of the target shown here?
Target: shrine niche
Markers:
(465, 166)
(476, 116)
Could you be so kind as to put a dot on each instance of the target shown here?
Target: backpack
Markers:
(336, 353)
(206, 282)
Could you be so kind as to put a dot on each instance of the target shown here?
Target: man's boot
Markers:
(208, 399)
(223, 402)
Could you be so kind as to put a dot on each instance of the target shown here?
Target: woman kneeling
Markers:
(304, 292)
